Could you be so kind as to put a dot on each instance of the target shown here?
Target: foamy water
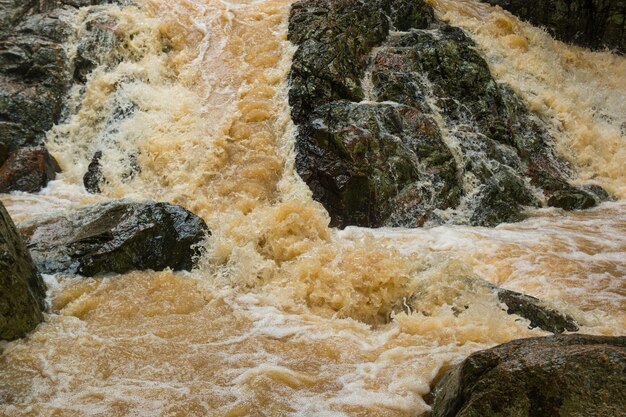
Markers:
(285, 316)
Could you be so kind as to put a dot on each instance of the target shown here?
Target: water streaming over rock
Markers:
(284, 315)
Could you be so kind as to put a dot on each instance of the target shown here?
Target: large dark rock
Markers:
(117, 236)
(36, 72)
(386, 155)
(556, 376)
(402, 128)
(595, 24)
(28, 169)
(22, 291)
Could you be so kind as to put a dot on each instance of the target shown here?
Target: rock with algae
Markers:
(555, 376)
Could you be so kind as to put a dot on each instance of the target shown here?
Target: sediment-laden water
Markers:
(286, 316)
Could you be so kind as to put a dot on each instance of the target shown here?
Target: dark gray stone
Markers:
(534, 310)
(22, 291)
(36, 74)
(117, 236)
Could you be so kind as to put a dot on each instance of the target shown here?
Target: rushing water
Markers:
(285, 316)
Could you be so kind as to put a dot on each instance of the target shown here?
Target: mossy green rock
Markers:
(400, 122)
(22, 291)
(555, 376)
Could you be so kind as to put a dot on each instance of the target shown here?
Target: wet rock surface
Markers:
(94, 177)
(28, 169)
(36, 71)
(562, 375)
(535, 311)
(459, 294)
(401, 123)
(22, 291)
(595, 24)
(116, 236)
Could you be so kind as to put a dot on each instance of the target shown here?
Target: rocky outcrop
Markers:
(556, 376)
(28, 169)
(36, 69)
(116, 236)
(22, 291)
(595, 24)
(400, 122)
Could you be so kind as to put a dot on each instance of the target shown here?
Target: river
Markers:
(284, 315)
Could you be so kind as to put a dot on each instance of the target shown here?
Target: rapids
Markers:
(286, 316)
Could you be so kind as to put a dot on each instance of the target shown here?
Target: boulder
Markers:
(387, 151)
(400, 122)
(22, 291)
(28, 169)
(595, 24)
(555, 376)
(116, 236)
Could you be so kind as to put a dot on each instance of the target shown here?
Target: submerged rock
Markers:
(400, 122)
(535, 311)
(28, 169)
(595, 24)
(460, 291)
(116, 236)
(563, 375)
(94, 177)
(22, 291)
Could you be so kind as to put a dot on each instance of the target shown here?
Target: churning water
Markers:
(285, 316)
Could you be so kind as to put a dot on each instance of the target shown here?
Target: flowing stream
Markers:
(284, 315)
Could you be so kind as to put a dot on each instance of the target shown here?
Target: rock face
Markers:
(117, 236)
(22, 291)
(556, 376)
(36, 71)
(401, 123)
(28, 169)
(595, 24)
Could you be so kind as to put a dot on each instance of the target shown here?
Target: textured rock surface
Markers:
(595, 24)
(556, 376)
(28, 169)
(36, 72)
(117, 236)
(535, 311)
(402, 128)
(22, 291)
